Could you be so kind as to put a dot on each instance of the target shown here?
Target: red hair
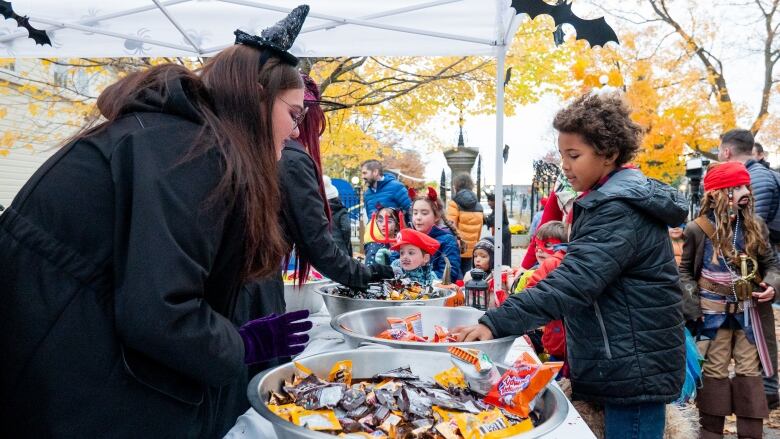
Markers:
(310, 130)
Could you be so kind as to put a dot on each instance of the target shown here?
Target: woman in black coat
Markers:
(122, 256)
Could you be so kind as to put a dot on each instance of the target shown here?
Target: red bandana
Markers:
(725, 175)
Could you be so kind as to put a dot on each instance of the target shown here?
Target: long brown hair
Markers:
(234, 98)
(717, 202)
(438, 212)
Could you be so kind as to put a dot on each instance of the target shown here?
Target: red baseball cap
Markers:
(418, 239)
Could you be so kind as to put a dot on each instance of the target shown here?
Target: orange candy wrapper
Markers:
(400, 335)
(412, 323)
(518, 387)
(442, 335)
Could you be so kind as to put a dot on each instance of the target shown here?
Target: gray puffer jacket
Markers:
(617, 290)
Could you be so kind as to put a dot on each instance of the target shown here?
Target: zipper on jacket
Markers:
(603, 330)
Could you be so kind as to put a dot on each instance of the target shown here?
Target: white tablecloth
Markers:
(324, 339)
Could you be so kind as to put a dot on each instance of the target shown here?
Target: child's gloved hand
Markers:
(272, 336)
(382, 256)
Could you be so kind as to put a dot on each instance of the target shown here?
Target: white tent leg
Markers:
(499, 191)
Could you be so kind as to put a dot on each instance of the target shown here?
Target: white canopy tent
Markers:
(183, 28)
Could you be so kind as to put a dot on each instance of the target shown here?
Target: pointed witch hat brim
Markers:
(279, 38)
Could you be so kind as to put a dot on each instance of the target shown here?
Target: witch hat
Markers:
(277, 39)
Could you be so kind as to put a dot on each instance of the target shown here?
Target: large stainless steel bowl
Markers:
(552, 409)
(338, 305)
(363, 325)
(303, 296)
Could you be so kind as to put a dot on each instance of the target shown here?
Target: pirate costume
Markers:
(730, 326)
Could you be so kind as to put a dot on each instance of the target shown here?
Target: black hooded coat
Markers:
(118, 285)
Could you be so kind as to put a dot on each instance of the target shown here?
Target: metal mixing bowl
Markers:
(363, 325)
(303, 296)
(552, 408)
(338, 305)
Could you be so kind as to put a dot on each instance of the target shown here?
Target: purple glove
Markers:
(273, 336)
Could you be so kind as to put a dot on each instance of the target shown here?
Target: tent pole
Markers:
(499, 190)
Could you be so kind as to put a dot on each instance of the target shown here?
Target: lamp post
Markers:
(361, 224)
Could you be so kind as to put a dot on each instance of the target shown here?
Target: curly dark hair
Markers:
(603, 121)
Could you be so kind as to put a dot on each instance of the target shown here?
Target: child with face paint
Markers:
(549, 238)
(726, 243)
(381, 234)
(414, 262)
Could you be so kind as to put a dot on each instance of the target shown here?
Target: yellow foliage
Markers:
(4, 152)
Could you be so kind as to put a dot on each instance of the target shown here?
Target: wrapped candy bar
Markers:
(519, 387)
(451, 377)
(341, 372)
(316, 419)
(412, 323)
(479, 370)
(400, 335)
(442, 335)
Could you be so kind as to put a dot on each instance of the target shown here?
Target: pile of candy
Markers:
(410, 329)
(392, 289)
(399, 404)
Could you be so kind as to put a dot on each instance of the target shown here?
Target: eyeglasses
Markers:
(298, 118)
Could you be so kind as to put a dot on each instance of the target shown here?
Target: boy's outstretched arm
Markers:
(606, 245)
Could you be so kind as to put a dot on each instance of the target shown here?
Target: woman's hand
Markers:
(766, 295)
(472, 333)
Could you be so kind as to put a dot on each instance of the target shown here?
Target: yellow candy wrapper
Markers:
(284, 411)
(452, 377)
(316, 419)
(362, 435)
(516, 429)
(443, 414)
(448, 429)
(341, 372)
(301, 369)
(476, 426)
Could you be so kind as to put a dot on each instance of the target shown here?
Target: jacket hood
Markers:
(173, 98)
(652, 197)
(467, 200)
(386, 178)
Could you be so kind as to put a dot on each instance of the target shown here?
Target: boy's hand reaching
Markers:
(472, 333)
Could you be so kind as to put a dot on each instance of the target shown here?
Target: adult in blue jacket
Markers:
(383, 189)
(737, 146)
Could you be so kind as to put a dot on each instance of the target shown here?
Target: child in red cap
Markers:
(415, 250)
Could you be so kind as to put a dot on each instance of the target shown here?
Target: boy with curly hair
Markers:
(617, 288)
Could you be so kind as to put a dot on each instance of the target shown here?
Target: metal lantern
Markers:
(477, 290)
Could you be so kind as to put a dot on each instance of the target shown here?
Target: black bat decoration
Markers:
(37, 35)
(597, 32)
